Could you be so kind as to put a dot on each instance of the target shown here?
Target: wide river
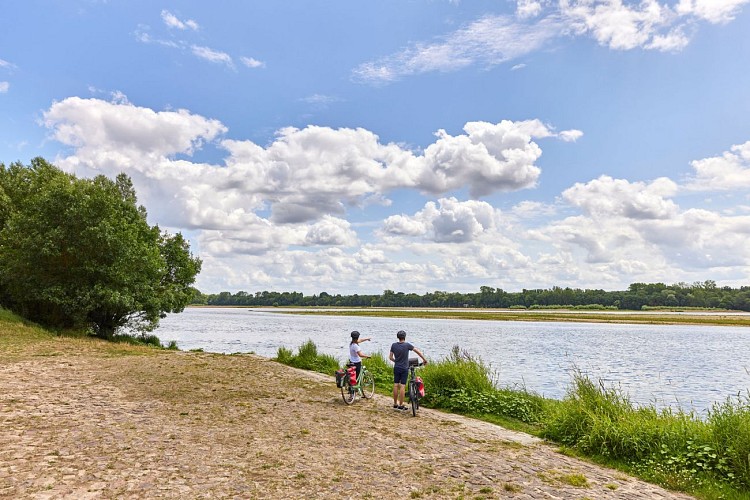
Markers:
(690, 367)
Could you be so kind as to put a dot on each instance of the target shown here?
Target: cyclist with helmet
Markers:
(355, 355)
(400, 356)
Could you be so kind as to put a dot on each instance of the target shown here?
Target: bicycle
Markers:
(365, 386)
(413, 385)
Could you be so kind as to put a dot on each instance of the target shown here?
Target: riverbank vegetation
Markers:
(638, 296)
(80, 254)
(16, 330)
(707, 457)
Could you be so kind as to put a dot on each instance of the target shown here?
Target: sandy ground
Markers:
(81, 421)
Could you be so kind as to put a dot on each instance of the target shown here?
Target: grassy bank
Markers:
(650, 317)
(16, 334)
(709, 458)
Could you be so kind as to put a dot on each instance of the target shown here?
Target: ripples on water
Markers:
(679, 366)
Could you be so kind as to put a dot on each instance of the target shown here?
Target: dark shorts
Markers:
(399, 375)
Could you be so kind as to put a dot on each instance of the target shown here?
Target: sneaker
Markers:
(396, 407)
(402, 408)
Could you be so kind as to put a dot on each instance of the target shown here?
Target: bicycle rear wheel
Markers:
(348, 393)
(413, 398)
(367, 384)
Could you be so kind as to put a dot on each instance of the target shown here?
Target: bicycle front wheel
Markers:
(367, 383)
(413, 398)
(348, 393)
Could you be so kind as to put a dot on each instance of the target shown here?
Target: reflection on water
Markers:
(687, 366)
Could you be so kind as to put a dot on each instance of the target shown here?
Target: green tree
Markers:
(78, 253)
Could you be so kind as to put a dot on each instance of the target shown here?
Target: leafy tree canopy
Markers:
(80, 253)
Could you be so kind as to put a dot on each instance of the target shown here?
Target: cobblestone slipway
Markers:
(83, 423)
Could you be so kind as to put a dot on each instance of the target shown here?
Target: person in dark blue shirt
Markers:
(400, 356)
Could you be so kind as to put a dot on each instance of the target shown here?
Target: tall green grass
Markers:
(463, 383)
(382, 372)
(307, 358)
(459, 371)
(730, 425)
(670, 447)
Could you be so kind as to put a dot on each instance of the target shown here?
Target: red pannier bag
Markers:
(420, 386)
(352, 375)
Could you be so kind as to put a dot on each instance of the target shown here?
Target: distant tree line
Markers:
(638, 296)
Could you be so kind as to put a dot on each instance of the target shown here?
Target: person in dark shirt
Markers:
(400, 356)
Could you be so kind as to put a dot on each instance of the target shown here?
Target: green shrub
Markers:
(586, 408)
(284, 355)
(460, 370)
(602, 421)
(673, 448)
(382, 371)
(730, 422)
(138, 339)
(308, 350)
(464, 384)
(307, 358)
(520, 405)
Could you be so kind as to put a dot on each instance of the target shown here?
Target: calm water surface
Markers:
(687, 366)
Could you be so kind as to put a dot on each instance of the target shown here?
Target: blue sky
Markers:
(413, 145)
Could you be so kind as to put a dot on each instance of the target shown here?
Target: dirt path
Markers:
(191, 425)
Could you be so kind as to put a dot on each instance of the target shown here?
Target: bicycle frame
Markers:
(365, 386)
(359, 378)
(412, 388)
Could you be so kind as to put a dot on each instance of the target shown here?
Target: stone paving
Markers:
(78, 425)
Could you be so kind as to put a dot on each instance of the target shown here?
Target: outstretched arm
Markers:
(424, 360)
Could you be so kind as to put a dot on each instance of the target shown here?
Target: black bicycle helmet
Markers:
(401, 334)
(355, 335)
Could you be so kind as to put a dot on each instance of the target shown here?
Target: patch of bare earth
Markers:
(79, 423)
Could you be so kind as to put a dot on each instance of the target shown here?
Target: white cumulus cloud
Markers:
(714, 11)
(331, 231)
(302, 176)
(280, 214)
(608, 197)
(729, 171)
(488, 158)
(447, 221)
(94, 125)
